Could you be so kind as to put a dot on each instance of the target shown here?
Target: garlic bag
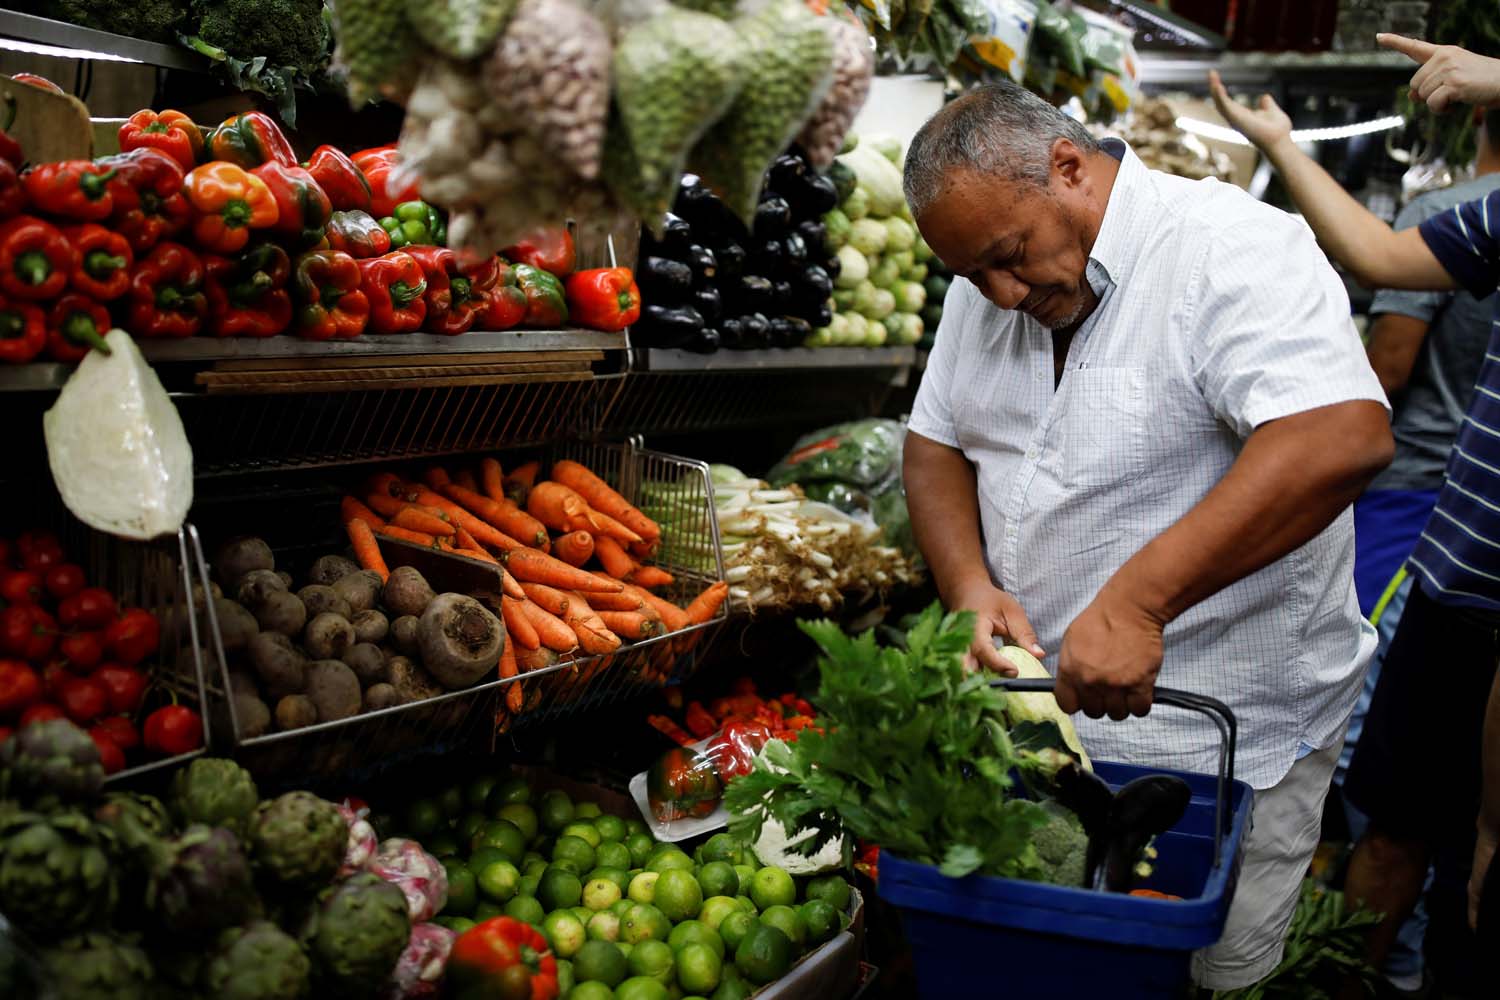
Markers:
(117, 447)
(853, 69)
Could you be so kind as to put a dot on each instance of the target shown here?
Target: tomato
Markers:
(43, 711)
(42, 560)
(173, 730)
(133, 636)
(54, 676)
(84, 699)
(65, 580)
(32, 541)
(121, 730)
(20, 586)
(82, 650)
(28, 632)
(110, 754)
(7, 552)
(92, 607)
(20, 687)
(124, 686)
(6, 732)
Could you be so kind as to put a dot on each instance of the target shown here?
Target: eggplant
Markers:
(821, 316)
(706, 341)
(815, 282)
(768, 256)
(796, 251)
(664, 280)
(833, 267)
(676, 237)
(782, 291)
(697, 203)
(755, 331)
(787, 174)
(708, 302)
(819, 195)
(815, 235)
(668, 326)
(751, 294)
(731, 332)
(731, 258)
(704, 265)
(789, 331)
(773, 217)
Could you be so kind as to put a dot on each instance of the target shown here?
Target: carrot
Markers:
(574, 548)
(503, 514)
(549, 628)
(559, 508)
(603, 498)
(479, 554)
(436, 477)
(674, 617)
(529, 564)
(465, 478)
(493, 478)
(704, 606)
(511, 587)
(414, 519)
(384, 504)
(519, 626)
(631, 624)
(415, 537)
(518, 484)
(464, 539)
(593, 636)
(623, 601)
(384, 483)
(535, 659)
(651, 576)
(481, 530)
(366, 549)
(644, 549)
(615, 560)
(515, 698)
(543, 596)
(352, 510)
(614, 529)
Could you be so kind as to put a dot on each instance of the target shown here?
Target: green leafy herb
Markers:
(1323, 945)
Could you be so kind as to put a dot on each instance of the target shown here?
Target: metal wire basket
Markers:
(536, 698)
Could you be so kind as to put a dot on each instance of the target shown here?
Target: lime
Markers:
(625, 947)
(482, 856)
(462, 892)
(525, 909)
(764, 954)
(820, 918)
(747, 903)
(716, 908)
(611, 828)
(600, 962)
(613, 855)
(699, 968)
(531, 856)
(678, 895)
(566, 979)
(772, 887)
(830, 888)
(722, 847)
(599, 893)
(732, 985)
(583, 913)
(788, 921)
(642, 888)
(635, 825)
(641, 988)
(523, 816)
(644, 922)
(504, 835)
(616, 875)
(591, 990)
(556, 810)
(587, 810)
(452, 801)
(528, 885)
(535, 868)
(564, 932)
(469, 825)
(486, 910)
(746, 873)
(734, 928)
(573, 852)
(619, 909)
(442, 844)
(508, 791)
(653, 959)
(640, 846)
(455, 924)
(695, 932)
(558, 888)
(718, 879)
(673, 860)
(479, 790)
(583, 831)
(423, 817)
(603, 926)
(499, 881)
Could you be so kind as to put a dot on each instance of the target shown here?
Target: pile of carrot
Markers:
(576, 554)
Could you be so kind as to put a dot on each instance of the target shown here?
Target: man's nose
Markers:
(1004, 289)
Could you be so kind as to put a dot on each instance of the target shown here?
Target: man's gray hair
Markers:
(1000, 128)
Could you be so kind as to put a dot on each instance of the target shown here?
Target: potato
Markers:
(236, 625)
(407, 592)
(370, 626)
(334, 690)
(295, 711)
(238, 557)
(328, 636)
(367, 662)
(380, 696)
(411, 682)
(320, 599)
(329, 570)
(242, 683)
(280, 666)
(253, 716)
(361, 590)
(282, 612)
(404, 635)
(256, 585)
(285, 578)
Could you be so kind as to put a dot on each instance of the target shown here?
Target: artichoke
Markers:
(258, 962)
(298, 839)
(50, 762)
(215, 792)
(99, 967)
(137, 825)
(55, 873)
(356, 934)
(201, 882)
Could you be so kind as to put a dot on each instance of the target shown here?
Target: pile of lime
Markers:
(628, 917)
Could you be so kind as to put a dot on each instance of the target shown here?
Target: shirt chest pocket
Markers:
(1103, 429)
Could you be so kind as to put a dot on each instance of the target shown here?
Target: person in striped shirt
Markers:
(1418, 772)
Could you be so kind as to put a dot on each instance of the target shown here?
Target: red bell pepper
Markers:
(502, 958)
(229, 202)
(357, 234)
(35, 258)
(471, 292)
(698, 721)
(341, 180)
(40, 82)
(250, 139)
(171, 132)
(376, 165)
(133, 636)
(20, 688)
(173, 730)
(247, 295)
(549, 249)
(76, 325)
(733, 750)
(395, 286)
(440, 269)
(166, 293)
(302, 205)
(604, 298)
(12, 191)
(104, 262)
(72, 189)
(149, 203)
(507, 305)
(330, 304)
(10, 149)
(23, 332)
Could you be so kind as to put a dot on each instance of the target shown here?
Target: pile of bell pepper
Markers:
(222, 232)
(783, 717)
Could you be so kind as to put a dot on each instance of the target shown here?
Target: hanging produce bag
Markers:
(853, 69)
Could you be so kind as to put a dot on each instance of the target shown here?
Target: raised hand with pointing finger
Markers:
(1448, 74)
(1265, 125)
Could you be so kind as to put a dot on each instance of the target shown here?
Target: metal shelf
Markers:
(40, 377)
(786, 359)
(1249, 69)
(194, 349)
(120, 48)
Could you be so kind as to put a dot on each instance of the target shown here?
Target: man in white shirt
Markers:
(1134, 450)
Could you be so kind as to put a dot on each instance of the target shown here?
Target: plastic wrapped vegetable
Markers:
(853, 69)
(419, 876)
(683, 783)
(675, 73)
(418, 974)
(789, 64)
(864, 452)
(378, 52)
(362, 841)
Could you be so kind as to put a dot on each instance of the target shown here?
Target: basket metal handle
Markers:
(1217, 712)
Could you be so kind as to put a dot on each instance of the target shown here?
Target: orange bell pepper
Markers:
(172, 132)
(228, 202)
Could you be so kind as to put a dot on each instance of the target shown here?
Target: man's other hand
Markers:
(1264, 126)
(998, 614)
(1448, 74)
(1109, 659)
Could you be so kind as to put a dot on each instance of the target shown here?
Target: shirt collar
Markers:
(1120, 243)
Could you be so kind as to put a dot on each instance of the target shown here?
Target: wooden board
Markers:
(48, 126)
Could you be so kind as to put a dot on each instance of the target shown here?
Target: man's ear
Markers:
(1069, 164)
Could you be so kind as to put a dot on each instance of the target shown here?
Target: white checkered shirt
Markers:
(1216, 314)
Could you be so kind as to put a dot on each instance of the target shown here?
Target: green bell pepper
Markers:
(415, 223)
(546, 302)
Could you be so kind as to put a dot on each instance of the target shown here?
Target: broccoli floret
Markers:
(286, 32)
(156, 20)
(1061, 846)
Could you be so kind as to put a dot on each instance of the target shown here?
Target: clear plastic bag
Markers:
(853, 70)
(421, 877)
(362, 840)
(864, 453)
(418, 974)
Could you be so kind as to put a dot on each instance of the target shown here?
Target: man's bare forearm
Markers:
(1489, 809)
(943, 500)
(1292, 478)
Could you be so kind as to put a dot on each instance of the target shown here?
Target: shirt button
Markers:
(1031, 454)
